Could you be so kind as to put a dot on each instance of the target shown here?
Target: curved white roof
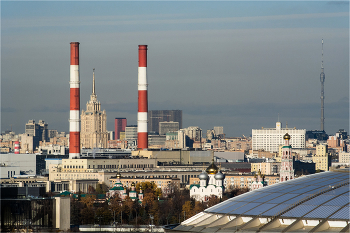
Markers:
(318, 202)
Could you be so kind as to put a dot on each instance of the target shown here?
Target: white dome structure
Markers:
(203, 176)
(210, 184)
(219, 176)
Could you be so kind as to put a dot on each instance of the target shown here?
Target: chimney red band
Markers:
(143, 102)
(74, 144)
(142, 142)
(74, 55)
(142, 55)
(74, 99)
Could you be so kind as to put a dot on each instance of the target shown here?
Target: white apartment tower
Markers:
(94, 132)
(270, 139)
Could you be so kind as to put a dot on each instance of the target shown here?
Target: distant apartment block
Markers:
(156, 116)
(219, 130)
(322, 158)
(119, 126)
(270, 139)
(38, 131)
(165, 127)
(131, 135)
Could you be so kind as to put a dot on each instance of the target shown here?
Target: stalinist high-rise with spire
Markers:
(93, 122)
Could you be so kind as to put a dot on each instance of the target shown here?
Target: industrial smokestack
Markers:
(74, 113)
(142, 135)
(16, 147)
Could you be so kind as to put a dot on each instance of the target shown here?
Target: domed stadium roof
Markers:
(313, 203)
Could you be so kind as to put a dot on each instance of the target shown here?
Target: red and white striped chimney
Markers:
(142, 134)
(74, 113)
(16, 147)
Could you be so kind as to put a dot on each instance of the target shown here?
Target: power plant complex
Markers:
(74, 116)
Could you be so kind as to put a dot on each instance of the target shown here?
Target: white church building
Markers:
(210, 184)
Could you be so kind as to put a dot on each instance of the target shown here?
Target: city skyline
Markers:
(235, 64)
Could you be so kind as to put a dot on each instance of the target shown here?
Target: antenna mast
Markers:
(322, 79)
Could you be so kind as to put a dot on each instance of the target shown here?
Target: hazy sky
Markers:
(232, 64)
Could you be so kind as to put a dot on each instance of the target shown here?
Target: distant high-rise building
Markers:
(165, 127)
(270, 139)
(219, 130)
(119, 124)
(32, 129)
(43, 127)
(156, 116)
(322, 158)
(94, 123)
(131, 132)
(39, 132)
(131, 135)
(52, 133)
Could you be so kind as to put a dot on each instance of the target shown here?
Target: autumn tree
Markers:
(213, 200)
(187, 209)
(91, 190)
(75, 208)
(115, 204)
(103, 215)
(101, 188)
(88, 200)
(198, 207)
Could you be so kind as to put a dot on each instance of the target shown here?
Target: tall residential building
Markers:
(39, 132)
(156, 116)
(322, 158)
(43, 127)
(93, 123)
(131, 132)
(119, 126)
(270, 139)
(218, 130)
(131, 135)
(188, 136)
(165, 127)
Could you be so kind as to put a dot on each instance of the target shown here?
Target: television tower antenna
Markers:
(322, 78)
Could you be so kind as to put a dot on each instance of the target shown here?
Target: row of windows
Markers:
(73, 166)
(123, 166)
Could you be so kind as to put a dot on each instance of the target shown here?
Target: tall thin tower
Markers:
(322, 78)
(142, 133)
(74, 120)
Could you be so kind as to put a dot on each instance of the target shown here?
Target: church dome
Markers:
(203, 176)
(118, 175)
(286, 136)
(212, 169)
(219, 176)
(133, 184)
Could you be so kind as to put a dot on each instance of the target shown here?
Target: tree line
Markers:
(174, 208)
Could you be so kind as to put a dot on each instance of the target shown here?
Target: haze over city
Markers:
(234, 64)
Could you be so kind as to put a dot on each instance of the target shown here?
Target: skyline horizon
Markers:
(233, 64)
